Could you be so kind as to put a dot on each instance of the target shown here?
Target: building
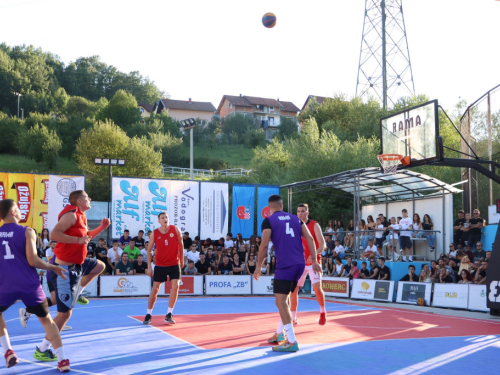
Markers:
(184, 109)
(311, 98)
(266, 113)
(145, 109)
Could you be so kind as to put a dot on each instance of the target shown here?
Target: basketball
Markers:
(421, 302)
(269, 20)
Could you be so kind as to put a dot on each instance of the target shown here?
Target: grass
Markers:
(235, 155)
(16, 163)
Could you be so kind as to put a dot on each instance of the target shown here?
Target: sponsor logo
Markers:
(45, 219)
(45, 200)
(365, 289)
(186, 286)
(365, 286)
(66, 186)
(243, 212)
(64, 297)
(450, 294)
(334, 286)
(2, 191)
(124, 285)
(171, 234)
(23, 199)
(266, 212)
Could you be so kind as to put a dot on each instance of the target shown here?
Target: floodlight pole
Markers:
(18, 102)
(190, 124)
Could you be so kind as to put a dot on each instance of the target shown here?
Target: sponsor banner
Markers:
(451, 295)
(334, 287)
(410, 292)
(60, 189)
(4, 184)
(477, 298)
(264, 285)
(242, 218)
(41, 202)
(135, 285)
(493, 276)
(188, 285)
(89, 291)
(21, 190)
(214, 210)
(137, 202)
(379, 290)
(233, 284)
(263, 194)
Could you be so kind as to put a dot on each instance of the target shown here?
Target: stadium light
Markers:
(18, 100)
(190, 124)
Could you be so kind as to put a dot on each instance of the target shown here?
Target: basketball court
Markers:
(223, 335)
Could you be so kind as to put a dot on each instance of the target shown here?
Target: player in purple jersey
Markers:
(19, 280)
(286, 232)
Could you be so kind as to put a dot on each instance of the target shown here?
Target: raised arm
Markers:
(95, 232)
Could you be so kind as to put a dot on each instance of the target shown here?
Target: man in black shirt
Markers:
(140, 241)
(140, 266)
(363, 272)
(476, 224)
(91, 250)
(102, 252)
(218, 243)
(373, 269)
(186, 240)
(348, 266)
(225, 268)
(410, 276)
(384, 273)
(202, 266)
(444, 278)
(480, 253)
(197, 242)
(459, 223)
(480, 276)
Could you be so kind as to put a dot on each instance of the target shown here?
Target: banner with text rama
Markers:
(263, 194)
(214, 210)
(243, 211)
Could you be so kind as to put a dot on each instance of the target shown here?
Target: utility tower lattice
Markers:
(384, 61)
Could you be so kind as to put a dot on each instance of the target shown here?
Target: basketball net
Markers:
(389, 162)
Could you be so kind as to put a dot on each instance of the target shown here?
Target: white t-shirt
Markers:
(193, 256)
(405, 224)
(49, 252)
(372, 249)
(113, 255)
(339, 249)
(393, 235)
(329, 230)
(453, 254)
(379, 233)
(229, 243)
(144, 253)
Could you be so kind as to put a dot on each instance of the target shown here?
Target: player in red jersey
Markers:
(319, 240)
(169, 262)
(72, 235)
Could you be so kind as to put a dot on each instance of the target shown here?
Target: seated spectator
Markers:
(469, 252)
(211, 257)
(338, 250)
(339, 268)
(250, 264)
(363, 272)
(330, 267)
(206, 244)
(450, 263)
(186, 240)
(224, 267)
(364, 235)
(114, 254)
(449, 270)
(124, 267)
(102, 251)
(91, 250)
(271, 253)
(139, 240)
(238, 265)
(488, 256)
(140, 266)
(370, 251)
(231, 254)
(434, 271)
(229, 241)
(453, 251)
(148, 236)
(425, 274)
(218, 243)
(193, 254)
(203, 266)
(197, 243)
(242, 252)
(465, 263)
(49, 252)
(253, 248)
(340, 234)
(190, 269)
(474, 267)
(417, 226)
(347, 266)
(349, 237)
(373, 269)
(272, 266)
(264, 267)
(258, 240)
(444, 277)
(431, 237)
(330, 228)
(354, 274)
(132, 251)
(480, 276)
(466, 277)
(480, 253)
(410, 276)
(384, 272)
(125, 239)
(144, 250)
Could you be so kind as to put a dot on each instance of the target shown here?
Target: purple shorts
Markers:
(29, 298)
(290, 273)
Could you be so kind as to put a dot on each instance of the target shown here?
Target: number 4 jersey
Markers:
(286, 235)
(15, 271)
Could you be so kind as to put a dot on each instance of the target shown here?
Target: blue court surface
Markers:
(223, 335)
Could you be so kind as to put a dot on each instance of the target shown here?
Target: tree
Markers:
(288, 128)
(10, 127)
(41, 144)
(122, 110)
(235, 127)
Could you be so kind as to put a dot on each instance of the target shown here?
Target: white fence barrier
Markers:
(409, 292)
(377, 290)
(264, 285)
(477, 298)
(188, 286)
(235, 284)
(451, 295)
(334, 287)
(114, 286)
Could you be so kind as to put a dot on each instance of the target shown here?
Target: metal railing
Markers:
(206, 173)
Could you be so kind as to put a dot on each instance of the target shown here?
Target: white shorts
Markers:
(315, 277)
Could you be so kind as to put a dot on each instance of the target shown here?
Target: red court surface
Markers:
(219, 331)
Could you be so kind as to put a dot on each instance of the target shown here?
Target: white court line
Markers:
(343, 325)
(55, 368)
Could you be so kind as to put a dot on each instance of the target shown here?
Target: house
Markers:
(265, 112)
(317, 99)
(145, 109)
(184, 109)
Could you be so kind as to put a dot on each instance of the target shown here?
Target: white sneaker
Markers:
(67, 328)
(23, 317)
(411, 259)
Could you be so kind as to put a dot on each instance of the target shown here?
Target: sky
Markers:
(204, 49)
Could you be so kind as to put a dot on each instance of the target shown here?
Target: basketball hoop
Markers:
(390, 162)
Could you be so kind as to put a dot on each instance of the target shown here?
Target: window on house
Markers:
(230, 105)
(271, 108)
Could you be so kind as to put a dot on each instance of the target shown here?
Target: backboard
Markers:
(412, 133)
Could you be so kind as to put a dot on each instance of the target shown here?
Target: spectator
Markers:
(250, 264)
(186, 240)
(239, 241)
(140, 266)
(271, 253)
(466, 277)
(198, 243)
(452, 264)
(264, 267)
(465, 229)
(480, 276)
(330, 267)
(405, 236)
(272, 266)
(193, 254)
(417, 226)
(253, 249)
(465, 263)
(102, 250)
(393, 237)
(132, 251)
(349, 238)
(206, 244)
(91, 250)
(224, 267)
(449, 270)
(469, 252)
(114, 254)
(242, 252)
(190, 269)
(457, 228)
(480, 253)
(373, 269)
(384, 220)
(124, 267)
(231, 254)
(476, 224)
(339, 268)
(144, 250)
(370, 251)
(444, 277)
(363, 272)
(148, 236)
(339, 250)
(238, 265)
(488, 256)
(203, 266)
(348, 266)
(218, 243)
(431, 237)
(410, 276)
(379, 234)
(453, 251)
(354, 274)
(474, 267)
(252, 241)
(340, 234)
(258, 240)
(364, 235)
(211, 257)
(139, 240)
(384, 273)
(425, 274)
(49, 253)
(330, 228)
(371, 226)
(125, 239)
(434, 272)
(44, 239)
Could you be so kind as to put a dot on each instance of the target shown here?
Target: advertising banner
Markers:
(60, 187)
(21, 190)
(409, 292)
(214, 210)
(493, 277)
(188, 285)
(242, 218)
(4, 184)
(477, 297)
(137, 202)
(115, 286)
(41, 202)
(263, 194)
(379, 290)
(264, 285)
(451, 295)
(234, 284)
(334, 287)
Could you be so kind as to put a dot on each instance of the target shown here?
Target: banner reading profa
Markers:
(263, 194)
(242, 220)
(60, 187)
(136, 204)
(214, 210)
